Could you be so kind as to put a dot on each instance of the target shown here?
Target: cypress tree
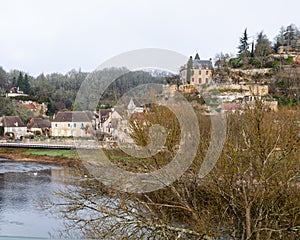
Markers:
(189, 69)
(26, 85)
(20, 81)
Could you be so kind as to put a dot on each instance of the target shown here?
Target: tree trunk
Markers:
(247, 214)
(248, 222)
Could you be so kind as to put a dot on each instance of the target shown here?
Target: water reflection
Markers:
(22, 186)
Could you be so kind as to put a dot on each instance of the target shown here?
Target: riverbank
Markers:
(69, 157)
(53, 156)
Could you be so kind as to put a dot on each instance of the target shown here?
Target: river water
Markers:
(23, 186)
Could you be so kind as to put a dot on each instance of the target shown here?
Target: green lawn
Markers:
(53, 152)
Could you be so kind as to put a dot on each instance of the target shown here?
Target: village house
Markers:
(200, 72)
(15, 92)
(13, 127)
(72, 124)
(119, 118)
(39, 126)
(104, 120)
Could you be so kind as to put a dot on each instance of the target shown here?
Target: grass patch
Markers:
(53, 152)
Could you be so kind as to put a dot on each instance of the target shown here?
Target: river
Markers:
(23, 186)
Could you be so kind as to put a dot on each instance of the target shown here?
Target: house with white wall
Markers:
(13, 127)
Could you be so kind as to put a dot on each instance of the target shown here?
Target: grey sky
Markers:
(58, 35)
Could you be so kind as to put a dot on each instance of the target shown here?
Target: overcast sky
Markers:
(58, 35)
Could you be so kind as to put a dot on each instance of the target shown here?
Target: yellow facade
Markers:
(71, 129)
(201, 76)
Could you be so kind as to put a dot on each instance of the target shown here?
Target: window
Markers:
(74, 125)
(206, 72)
(199, 72)
(55, 125)
(82, 126)
(200, 80)
(206, 80)
(69, 125)
(193, 79)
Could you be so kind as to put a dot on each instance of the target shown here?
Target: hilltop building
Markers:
(197, 71)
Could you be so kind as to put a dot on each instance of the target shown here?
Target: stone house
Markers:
(72, 124)
(39, 125)
(13, 127)
(104, 117)
(201, 72)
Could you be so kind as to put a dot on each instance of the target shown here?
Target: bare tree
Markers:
(252, 193)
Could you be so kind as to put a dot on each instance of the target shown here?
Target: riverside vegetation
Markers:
(252, 192)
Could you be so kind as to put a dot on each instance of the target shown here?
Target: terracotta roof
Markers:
(39, 123)
(75, 116)
(229, 106)
(12, 121)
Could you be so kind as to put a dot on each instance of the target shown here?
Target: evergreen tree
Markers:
(26, 85)
(20, 81)
(291, 36)
(262, 46)
(252, 50)
(262, 49)
(3, 79)
(244, 45)
(189, 69)
(279, 39)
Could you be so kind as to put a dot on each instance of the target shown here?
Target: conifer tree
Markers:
(244, 45)
(189, 70)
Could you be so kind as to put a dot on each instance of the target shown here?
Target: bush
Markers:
(37, 133)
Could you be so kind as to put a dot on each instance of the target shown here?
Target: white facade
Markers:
(17, 131)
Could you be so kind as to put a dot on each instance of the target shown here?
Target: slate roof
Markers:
(203, 64)
(75, 116)
(198, 63)
(39, 123)
(12, 121)
(104, 114)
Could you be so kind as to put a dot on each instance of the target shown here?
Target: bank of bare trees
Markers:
(252, 192)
